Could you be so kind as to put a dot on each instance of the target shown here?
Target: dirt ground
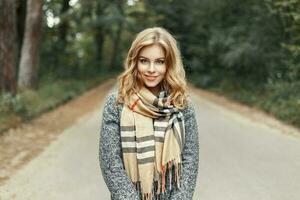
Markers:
(19, 145)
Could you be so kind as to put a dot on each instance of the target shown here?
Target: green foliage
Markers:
(31, 103)
(80, 54)
(288, 13)
(283, 100)
(248, 50)
(10, 103)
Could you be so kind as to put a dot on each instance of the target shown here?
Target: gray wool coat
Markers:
(111, 163)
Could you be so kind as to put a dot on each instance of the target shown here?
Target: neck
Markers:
(155, 90)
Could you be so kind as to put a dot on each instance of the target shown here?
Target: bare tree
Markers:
(30, 48)
(8, 46)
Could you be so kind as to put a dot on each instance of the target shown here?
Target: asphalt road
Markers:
(239, 160)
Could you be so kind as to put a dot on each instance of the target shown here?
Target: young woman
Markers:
(149, 145)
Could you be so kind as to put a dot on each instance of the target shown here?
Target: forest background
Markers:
(53, 50)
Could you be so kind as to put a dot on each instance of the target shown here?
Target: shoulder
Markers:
(110, 107)
(111, 97)
(189, 109)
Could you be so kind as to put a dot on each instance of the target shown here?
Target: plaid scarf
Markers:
(152, 136)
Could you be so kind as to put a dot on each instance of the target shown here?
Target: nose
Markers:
(151, 67)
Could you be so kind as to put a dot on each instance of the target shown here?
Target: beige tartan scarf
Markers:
(152, 136)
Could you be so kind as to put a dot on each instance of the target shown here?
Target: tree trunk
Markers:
(8, 46)
(63, 28)
(30, 48)
(21, 16)
(99, 38)
(100, 31)
(117, 38)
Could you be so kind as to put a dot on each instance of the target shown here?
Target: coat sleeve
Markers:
(111, 163)
(190, 157)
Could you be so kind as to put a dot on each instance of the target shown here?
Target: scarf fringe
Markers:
(172, 169)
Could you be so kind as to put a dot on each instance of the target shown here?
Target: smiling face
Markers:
(152, 67)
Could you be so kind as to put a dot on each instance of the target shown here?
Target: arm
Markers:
(190, 157)
(113, 172)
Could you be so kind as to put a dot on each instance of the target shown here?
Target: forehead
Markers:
(152, 52)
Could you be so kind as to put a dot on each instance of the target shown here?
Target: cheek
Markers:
(163, 70)
(138, 68)
(139, 72)
(141, 68)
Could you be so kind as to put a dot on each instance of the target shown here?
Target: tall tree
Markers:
(117, 36)
(64, 25)
(30, 48)
(20, 18)
(8, 46)
(100, 29)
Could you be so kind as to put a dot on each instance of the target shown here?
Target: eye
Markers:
(160, 62)
(143, 61)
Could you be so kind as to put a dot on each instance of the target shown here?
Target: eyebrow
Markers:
(148, 58)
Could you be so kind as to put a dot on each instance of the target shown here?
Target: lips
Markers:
(150, 78)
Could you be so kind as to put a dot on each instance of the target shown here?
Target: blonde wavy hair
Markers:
(174, 81)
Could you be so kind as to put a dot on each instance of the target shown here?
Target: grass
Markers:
(282, 99)
(28, 104)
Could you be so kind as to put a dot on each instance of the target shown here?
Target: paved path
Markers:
(239, 160)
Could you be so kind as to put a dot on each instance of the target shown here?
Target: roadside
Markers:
(251, 113)
(19, 145)
(28, 104)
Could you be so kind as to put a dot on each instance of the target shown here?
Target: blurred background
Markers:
(52, 50)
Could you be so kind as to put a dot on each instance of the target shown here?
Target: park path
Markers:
(239, 159)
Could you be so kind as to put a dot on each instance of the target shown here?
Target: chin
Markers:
(151, 84)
